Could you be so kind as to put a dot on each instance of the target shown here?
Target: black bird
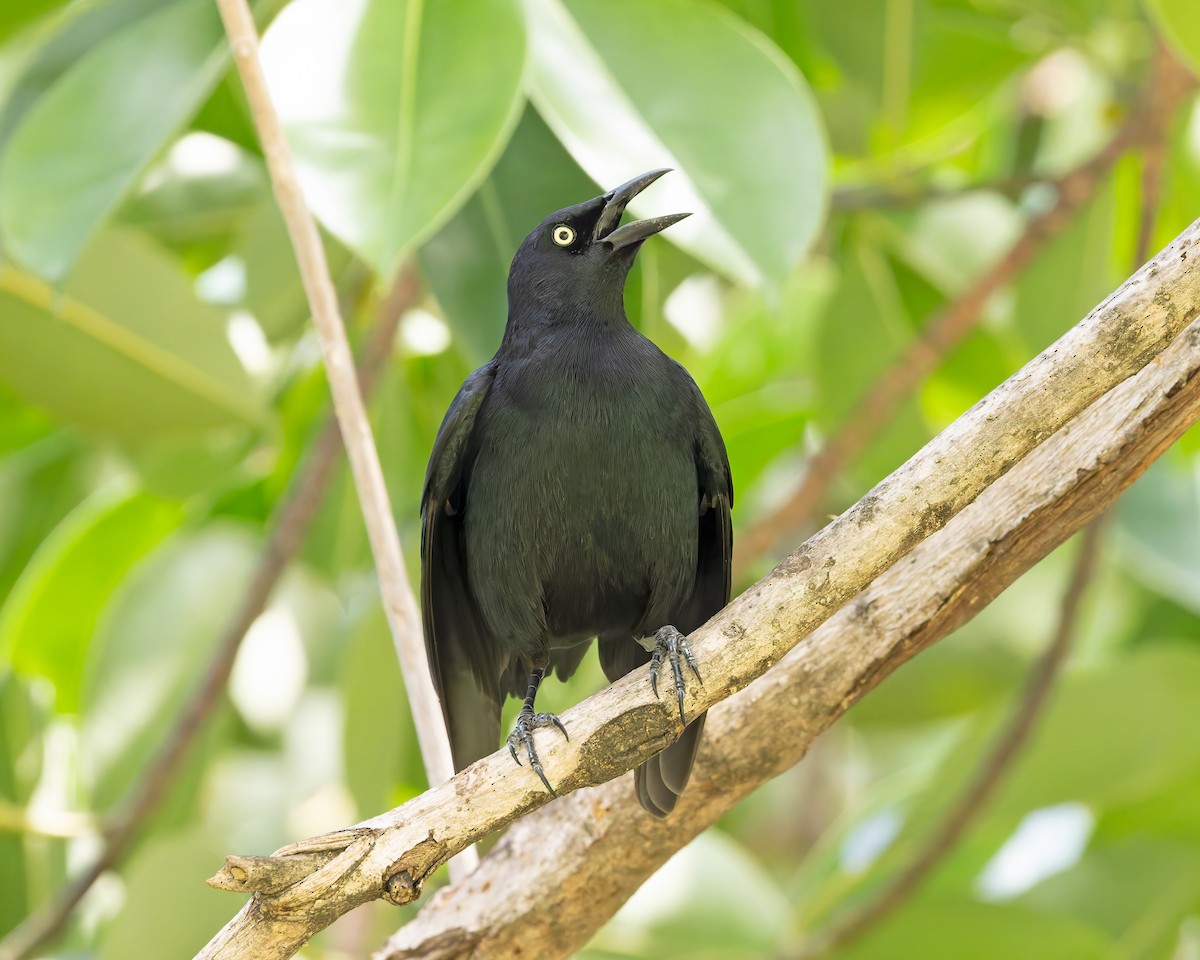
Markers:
(578, 488)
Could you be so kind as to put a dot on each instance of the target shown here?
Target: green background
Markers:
(852, 167)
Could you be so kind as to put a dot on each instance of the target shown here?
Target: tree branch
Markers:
(399, 603)
(288, 525)
(1168, 84)
(999, 760)
(1036, 503)
(527, 894)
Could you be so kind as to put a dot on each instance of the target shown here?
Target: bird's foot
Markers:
(522, 734)
(673, 645)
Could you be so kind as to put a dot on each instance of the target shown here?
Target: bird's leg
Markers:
(527, 722)
(670, 643)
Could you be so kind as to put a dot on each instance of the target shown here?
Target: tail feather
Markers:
(659, 781)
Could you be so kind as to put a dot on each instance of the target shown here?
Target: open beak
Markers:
(615, 202)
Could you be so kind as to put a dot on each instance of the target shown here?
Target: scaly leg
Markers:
(670, 643)
(527, 722)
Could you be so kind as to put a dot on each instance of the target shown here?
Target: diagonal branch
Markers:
(1168, 84)
(1109, 398)
(288, 526)
(998, 762)
(527, 893)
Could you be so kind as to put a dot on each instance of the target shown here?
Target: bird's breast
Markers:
(584, 492)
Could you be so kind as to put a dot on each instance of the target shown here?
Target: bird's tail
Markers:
(661, 779)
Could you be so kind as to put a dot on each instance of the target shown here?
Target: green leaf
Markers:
(87, 26)
(680, 913)
(914, 72)
(952, 679)
(126, 348)
(951, 930)
(14, 17)
(274, 291)
(1145, 914)
(395, 110)
(73, 157)
(200, 212)
(39, 485)
(628, 85)
(20, 737)
(154, 639)
(168, 911)
(1089, 749)
(1180, 21)
(50, 616)
(467, 260)
(378, 741)
(1070, 276)
(866, 326)
(1159, 530)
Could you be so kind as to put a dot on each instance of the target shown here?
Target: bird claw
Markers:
(523, 734)
(673, 645)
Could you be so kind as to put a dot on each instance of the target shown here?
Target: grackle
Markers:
(578, 489)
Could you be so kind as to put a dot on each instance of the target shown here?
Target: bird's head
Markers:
(581, 255)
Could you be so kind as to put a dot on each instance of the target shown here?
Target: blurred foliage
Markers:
(158, 386)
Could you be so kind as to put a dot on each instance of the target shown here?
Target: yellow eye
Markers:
(563, 235)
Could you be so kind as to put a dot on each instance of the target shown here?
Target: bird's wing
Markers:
(714, 558)
(660, 781)
(463, 658)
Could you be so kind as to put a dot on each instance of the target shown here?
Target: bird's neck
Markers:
(583, 322)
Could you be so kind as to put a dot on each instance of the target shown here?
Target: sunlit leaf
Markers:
(154, 639)
(395, 110)
(677, 914)
(20, 757)
(1146, 913)
(378, 739)
(125, 348)
(1160, 531)
(467, 260)
(16, 16)
(951, 930)
(49, 618)
(629, 85)
(167, 910)
(1180, 21)
(71, 159)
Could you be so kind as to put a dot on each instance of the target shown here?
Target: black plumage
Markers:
(578, 488)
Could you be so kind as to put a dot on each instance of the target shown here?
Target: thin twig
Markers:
(913, 193)
(398, 600)
(288, 525)
(1169, 84)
